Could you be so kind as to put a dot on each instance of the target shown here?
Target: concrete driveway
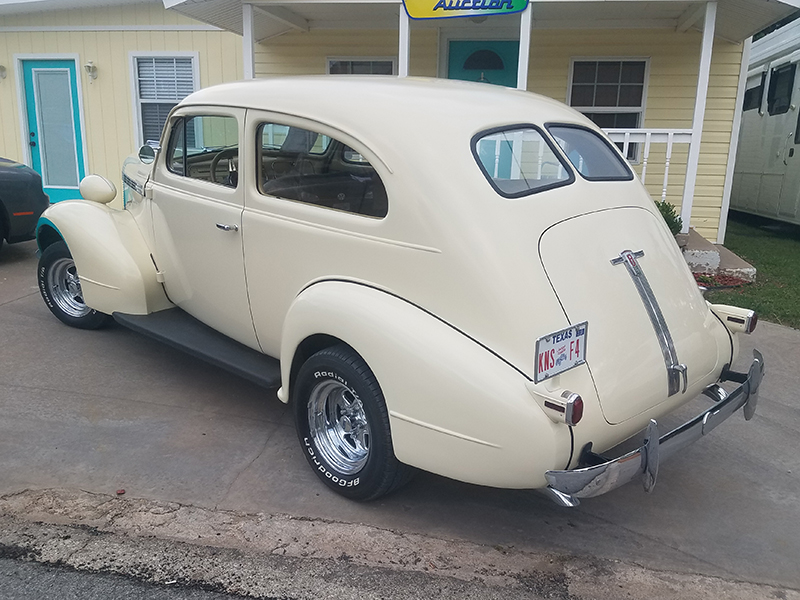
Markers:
(106, 410)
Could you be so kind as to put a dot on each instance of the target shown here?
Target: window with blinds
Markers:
(161, 82)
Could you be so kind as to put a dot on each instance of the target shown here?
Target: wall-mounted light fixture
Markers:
(3, 72)
(91, 69)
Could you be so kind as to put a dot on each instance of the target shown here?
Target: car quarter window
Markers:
(205, 147)
(519, 161)
(307, 166)
(590, 154)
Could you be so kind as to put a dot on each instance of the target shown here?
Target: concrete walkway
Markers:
(85, 414)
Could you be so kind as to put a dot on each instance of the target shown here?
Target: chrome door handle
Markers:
(225, 227)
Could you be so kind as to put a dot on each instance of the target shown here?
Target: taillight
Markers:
(574, 412)
(752, 322)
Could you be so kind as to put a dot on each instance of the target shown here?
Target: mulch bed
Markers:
(716, 282)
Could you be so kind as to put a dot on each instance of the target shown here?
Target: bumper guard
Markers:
(603, 475)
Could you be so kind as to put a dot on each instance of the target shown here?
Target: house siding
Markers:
(108, 110)
(674, 60)
(306, 53)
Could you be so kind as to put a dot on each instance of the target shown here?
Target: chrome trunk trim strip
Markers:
(677, 379)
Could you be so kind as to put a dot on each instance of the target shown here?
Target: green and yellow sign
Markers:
(447, 9)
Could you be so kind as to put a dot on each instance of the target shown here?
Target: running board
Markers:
(182, 331)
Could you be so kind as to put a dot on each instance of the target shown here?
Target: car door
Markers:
(197, 205)
(790, 190)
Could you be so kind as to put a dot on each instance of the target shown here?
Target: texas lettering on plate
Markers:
(560, 351)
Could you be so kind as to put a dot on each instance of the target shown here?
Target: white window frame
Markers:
(330, 59)
(135, 101)
(611, 109)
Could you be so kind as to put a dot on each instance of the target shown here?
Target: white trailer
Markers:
(766, 178)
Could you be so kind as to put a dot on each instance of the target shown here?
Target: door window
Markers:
(781, 85)
(205, 147)
(307, 166)
(487, 61)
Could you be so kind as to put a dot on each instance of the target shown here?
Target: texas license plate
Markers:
(560, 351)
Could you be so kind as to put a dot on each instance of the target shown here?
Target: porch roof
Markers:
(736, 19)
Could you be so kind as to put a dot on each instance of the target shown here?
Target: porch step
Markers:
(734, 266)
(714, 259)
(701, 255)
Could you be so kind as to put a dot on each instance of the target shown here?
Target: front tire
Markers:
(61, 291)
(343, 425)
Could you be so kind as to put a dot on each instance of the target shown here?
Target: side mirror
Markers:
(147, 154)
(97, 189)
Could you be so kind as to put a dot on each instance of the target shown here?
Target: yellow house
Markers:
(665, 78)
(82, 86)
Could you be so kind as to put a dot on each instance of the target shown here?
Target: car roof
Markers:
(374, 102)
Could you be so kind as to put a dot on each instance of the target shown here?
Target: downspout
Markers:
(737, 125)
(248, 50)
(525, 23)
(699, 114)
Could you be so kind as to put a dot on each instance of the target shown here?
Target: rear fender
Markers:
(455, 408)
(114, 263)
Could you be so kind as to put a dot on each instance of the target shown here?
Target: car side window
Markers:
(307, 166)
(518, 161)
(592, 156)
(205, 147)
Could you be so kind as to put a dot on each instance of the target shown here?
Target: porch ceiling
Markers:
(736, 19)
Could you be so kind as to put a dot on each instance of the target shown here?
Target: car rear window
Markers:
(591, 154)
(519, 161)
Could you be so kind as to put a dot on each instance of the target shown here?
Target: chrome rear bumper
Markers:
(566, 487)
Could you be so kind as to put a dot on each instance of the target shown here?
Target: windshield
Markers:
(519, 161)
(590, 154)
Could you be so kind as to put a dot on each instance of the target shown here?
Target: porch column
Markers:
(404, 43)
(699, 113)
(248, 54)
(737, 125)
(525, 22)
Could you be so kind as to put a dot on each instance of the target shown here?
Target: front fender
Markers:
(455, 408)
(116, 271)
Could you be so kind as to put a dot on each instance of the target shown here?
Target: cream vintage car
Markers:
(439, 275)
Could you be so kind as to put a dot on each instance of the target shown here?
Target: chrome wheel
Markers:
(338, 424)
(65, 288)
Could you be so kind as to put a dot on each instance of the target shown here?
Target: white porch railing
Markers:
(647, 138)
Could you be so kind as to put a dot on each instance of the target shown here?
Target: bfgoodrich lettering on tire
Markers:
(343, 425)
(61, 290)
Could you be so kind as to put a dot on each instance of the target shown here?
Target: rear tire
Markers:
(61, 291)
(343, 425)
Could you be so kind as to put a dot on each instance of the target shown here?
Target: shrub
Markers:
(671, 216)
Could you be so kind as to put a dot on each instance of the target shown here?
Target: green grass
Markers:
(773, 248)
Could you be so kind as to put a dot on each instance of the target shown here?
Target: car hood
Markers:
(628, 352)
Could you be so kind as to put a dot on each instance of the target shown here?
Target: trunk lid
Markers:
(633, 310)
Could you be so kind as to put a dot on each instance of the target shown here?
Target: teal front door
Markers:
(54, 126)
(490, 61)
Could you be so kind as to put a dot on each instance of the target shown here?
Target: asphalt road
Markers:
(108, 410)
(35, 581)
